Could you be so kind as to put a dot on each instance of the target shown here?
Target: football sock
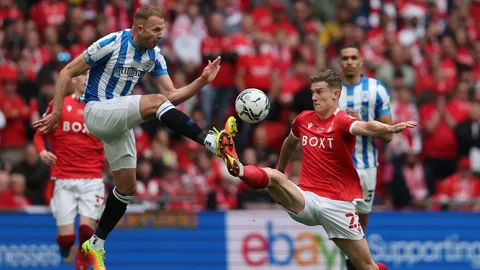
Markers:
(254, 177)
(114, 209)
(82, 260)
(65, 243)
(381, 266)
(179, 122)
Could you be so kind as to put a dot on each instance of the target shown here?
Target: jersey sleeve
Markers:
(296, 126)
(346, 124)
(99, 51)
(382, 104)
(160, 67)
(39, 141)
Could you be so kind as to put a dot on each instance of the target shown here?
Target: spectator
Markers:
(5, 198)
(188, 30)
(48, 13)
(438, 124)
(406, 185)
(461, 190)
(397, 61)
(36, 175)
(217, 96)
(468, 138)
(17, 188)
(17, 112)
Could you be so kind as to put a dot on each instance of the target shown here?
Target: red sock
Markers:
(381, 266)
(82, 261)
(66, 241)
(254, 177)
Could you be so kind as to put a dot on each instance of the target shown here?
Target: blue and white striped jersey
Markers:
(370, 98)
(117, 64)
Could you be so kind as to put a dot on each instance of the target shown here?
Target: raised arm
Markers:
(289, 147)
(75, 68)
(176, 96)
(378, 129)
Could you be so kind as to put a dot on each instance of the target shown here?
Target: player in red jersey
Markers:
(76, 160)
(329, 184)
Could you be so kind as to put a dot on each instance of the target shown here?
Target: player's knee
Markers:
(127, 189)
(276, 177)
(157, 99)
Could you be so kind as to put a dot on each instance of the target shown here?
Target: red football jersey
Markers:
(79, 154)
(327, 145)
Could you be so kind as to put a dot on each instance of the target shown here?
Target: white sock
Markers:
(240, 173)
(96, 243)
(210, 142)
(163, 108)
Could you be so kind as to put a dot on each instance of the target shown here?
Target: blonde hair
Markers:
(329, 76)
(144, 12)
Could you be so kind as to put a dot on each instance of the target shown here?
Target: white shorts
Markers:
(113, 121)
(338, 218)
(74, 197)
(368, 180)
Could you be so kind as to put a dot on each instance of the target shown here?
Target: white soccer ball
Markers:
(252, 105)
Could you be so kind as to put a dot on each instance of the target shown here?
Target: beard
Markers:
(350, 75)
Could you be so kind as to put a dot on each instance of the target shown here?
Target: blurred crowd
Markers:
(426, 52)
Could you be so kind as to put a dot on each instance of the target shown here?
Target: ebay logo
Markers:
(282, 248)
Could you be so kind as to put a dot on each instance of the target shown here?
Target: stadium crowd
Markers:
(426, 52)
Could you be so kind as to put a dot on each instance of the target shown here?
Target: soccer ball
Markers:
(252, 105)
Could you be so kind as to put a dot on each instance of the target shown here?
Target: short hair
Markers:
(349, 46)
(145, 12)
(329, 76)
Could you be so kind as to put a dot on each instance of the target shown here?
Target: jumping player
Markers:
(329, 184)
(116, 63)
(76, 159)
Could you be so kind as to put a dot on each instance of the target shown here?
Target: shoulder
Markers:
(304, 115)
(111, 39)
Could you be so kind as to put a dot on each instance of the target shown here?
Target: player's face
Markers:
(151, 32)
(324, 99)
(351, 62)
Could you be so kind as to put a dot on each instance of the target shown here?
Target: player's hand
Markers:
(402, 126)
(211, 70)
(48, 157)
(48, 123)
(351, 112)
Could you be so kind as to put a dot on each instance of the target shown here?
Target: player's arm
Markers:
(176, 96)
(378, 129)
(386, 119)
(382, 109)
(164, 84)
(75, 68)
(39, 142)
(289, 147)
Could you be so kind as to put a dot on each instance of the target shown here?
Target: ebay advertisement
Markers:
(270, 239)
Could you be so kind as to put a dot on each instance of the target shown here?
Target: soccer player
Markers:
(329, 184)
(76, 159)
(116, 63)
(365, 99)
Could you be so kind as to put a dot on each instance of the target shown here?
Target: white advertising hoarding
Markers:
(270, 239)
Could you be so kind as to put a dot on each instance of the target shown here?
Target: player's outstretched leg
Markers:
(157, 105)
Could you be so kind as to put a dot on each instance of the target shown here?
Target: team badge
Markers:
(93, 49)
(148, 65)
(365, 96)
